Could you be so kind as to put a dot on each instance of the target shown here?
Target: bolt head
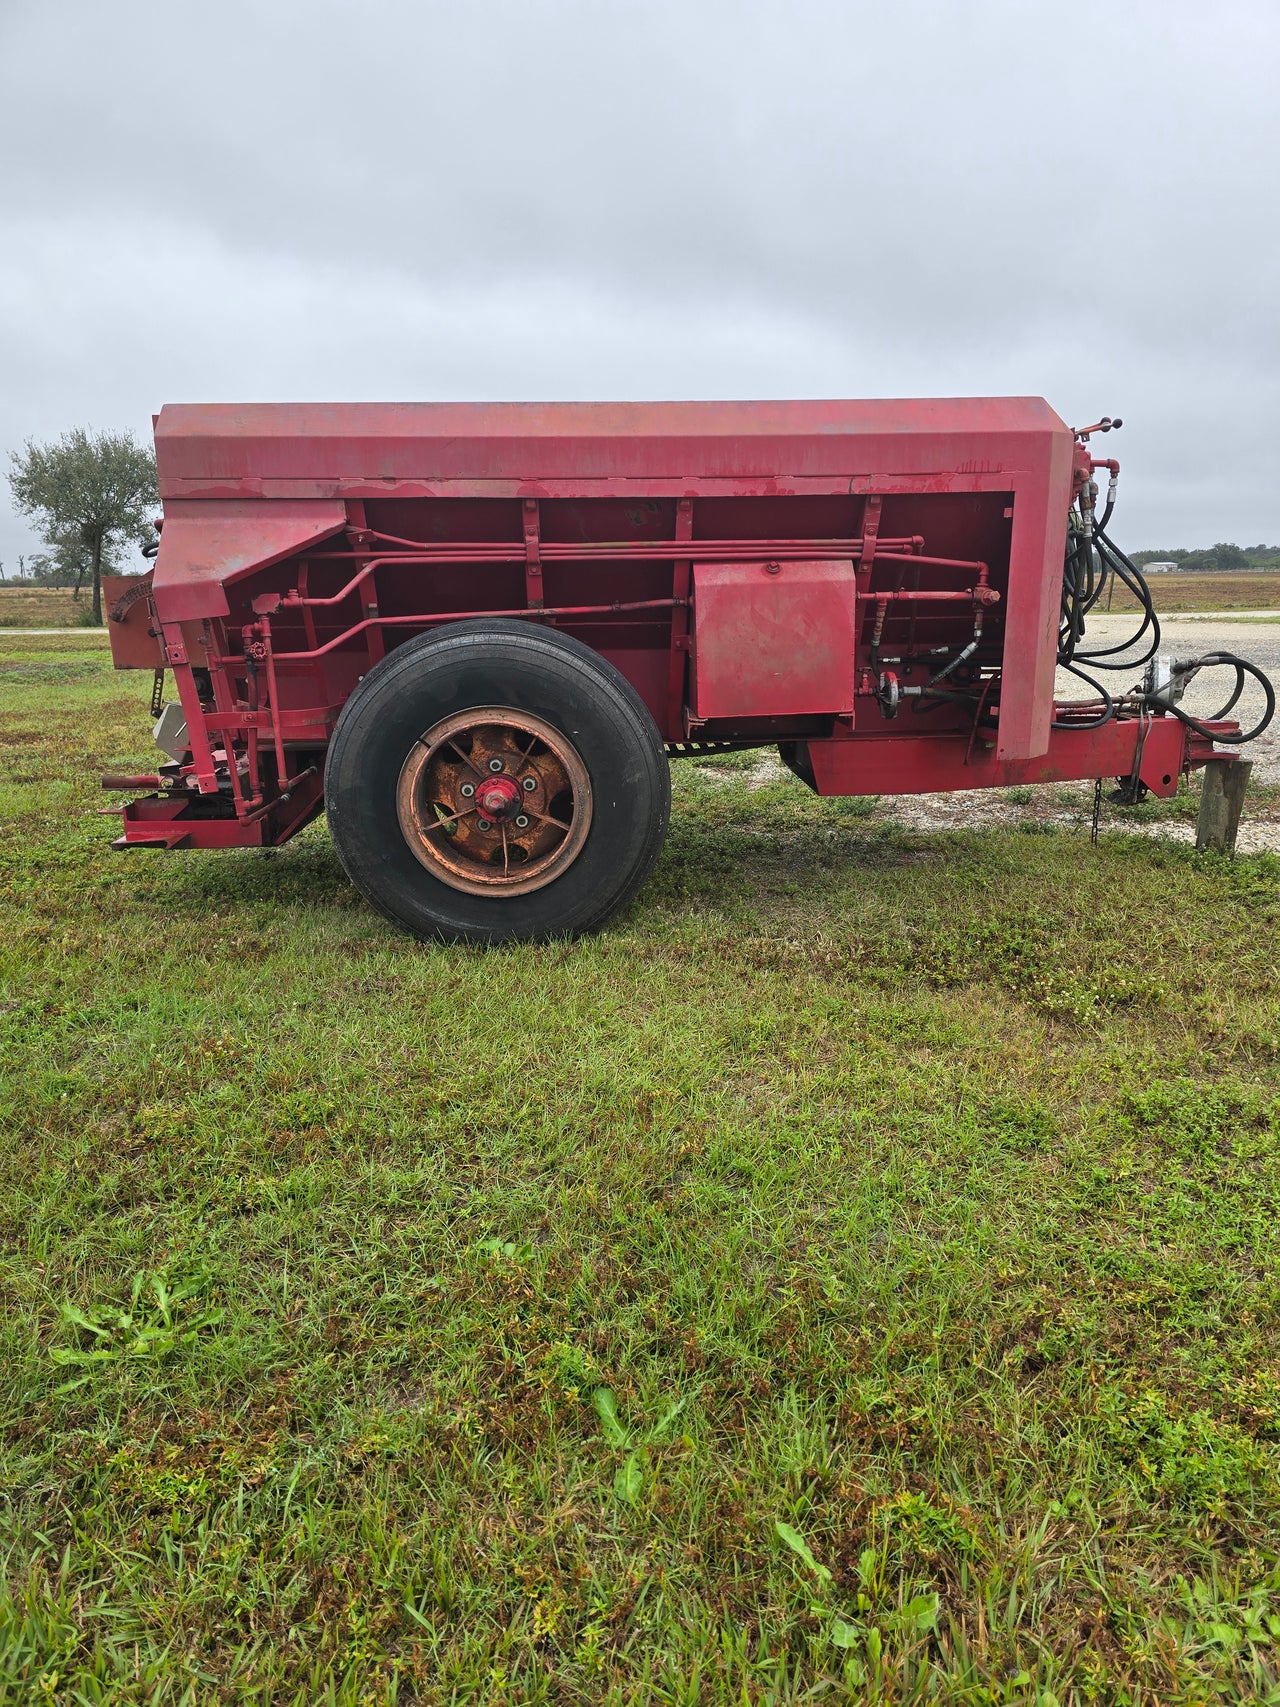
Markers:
(495, 764)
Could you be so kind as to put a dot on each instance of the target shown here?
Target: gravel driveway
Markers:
(1069, 804)
(1189, 637)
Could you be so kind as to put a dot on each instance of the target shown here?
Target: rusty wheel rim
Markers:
(494, 801)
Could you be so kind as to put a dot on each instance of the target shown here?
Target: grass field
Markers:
(1225, 592)
(852, 1277)
(43, 607)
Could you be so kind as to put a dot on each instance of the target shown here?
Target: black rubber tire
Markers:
(491, 661)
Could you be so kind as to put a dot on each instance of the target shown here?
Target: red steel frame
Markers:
(300, 542)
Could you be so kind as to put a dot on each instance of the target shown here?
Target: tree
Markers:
(68, 560)
(88, 491)
(1229, 556)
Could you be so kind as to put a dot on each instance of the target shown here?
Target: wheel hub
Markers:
(498, 798)
(494, 801)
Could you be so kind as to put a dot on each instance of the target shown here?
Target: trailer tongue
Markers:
(474, 634)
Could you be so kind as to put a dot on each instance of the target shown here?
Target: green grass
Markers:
(852, 1277)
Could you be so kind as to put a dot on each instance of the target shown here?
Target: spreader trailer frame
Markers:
(474, 634)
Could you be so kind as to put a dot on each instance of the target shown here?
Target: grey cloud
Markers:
(555, 198)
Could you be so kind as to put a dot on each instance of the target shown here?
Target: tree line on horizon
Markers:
(1213, 559)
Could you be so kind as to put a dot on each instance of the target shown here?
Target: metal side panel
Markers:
(327, 449)
(773, 639)
(1041, 500)
(208, 542)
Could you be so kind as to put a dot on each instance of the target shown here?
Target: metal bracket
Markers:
(532, 560)
(681, 640)
(870, 530)
(201, 753)
(131, 596)
(360, 539)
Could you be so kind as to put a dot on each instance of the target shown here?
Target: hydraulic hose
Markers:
(1093, 561)
(1090, 562)
(955, 663)
(1116, 563)
(1243, 668)
(941, 696)
(1108, 704)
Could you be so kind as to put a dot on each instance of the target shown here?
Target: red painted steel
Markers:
(772, 639)
(791, 572)
(134, 643)
(927, 764)
(310, 450)
(205, 545)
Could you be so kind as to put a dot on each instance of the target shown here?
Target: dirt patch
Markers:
(1060, 806)
(1066, 808)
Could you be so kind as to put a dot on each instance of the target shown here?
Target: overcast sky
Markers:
(656, 198)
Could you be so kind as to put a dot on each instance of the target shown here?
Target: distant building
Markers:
(1160, 568)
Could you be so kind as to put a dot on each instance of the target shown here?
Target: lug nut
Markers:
(467, 790)
(495, 764)
(522, 822)
(529, 784)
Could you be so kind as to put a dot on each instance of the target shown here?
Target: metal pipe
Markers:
(908, 594)
(630, 547)
(705, 551)
(280, 799)
(433, 619)
(274, 692)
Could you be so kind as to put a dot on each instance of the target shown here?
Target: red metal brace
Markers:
(681, 582)
(175, 656)
(532, 558)
(870, 529)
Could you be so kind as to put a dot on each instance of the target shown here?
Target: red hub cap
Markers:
(497, 799)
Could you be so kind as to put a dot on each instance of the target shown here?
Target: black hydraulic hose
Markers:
(1242, 668)
(1084, 585)
(1077, 592)
(1127, 572)
(946, 669)
(1109, 706)
(940, 696)
(1090, 563)
(1234, 696)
